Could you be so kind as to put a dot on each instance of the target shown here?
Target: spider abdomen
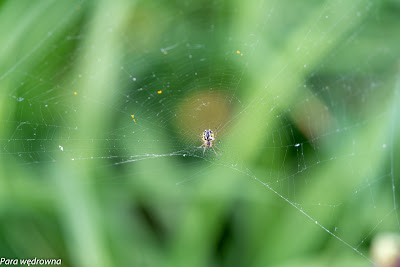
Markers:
(208, 138)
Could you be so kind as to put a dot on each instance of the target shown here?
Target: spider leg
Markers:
(204, 151)
(200, 146)
(215, 152)
(218, 148)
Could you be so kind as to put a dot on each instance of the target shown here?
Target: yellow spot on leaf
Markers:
(238, 52)
(165, 52)
(133, 117)
(75, 93)
(159, 92)
(241, 54)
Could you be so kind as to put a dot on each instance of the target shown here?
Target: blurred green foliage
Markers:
(303, 96)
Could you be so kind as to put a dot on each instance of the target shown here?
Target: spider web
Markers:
(303, 100)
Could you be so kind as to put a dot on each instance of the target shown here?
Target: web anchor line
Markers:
(303, 212)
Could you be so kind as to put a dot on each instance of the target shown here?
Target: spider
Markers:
(208, 141)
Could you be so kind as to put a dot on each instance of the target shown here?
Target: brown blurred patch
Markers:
(203, 110)
(313, 118)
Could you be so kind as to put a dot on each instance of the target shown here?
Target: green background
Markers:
(303, 97)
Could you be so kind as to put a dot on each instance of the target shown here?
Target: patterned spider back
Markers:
(208, 135)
